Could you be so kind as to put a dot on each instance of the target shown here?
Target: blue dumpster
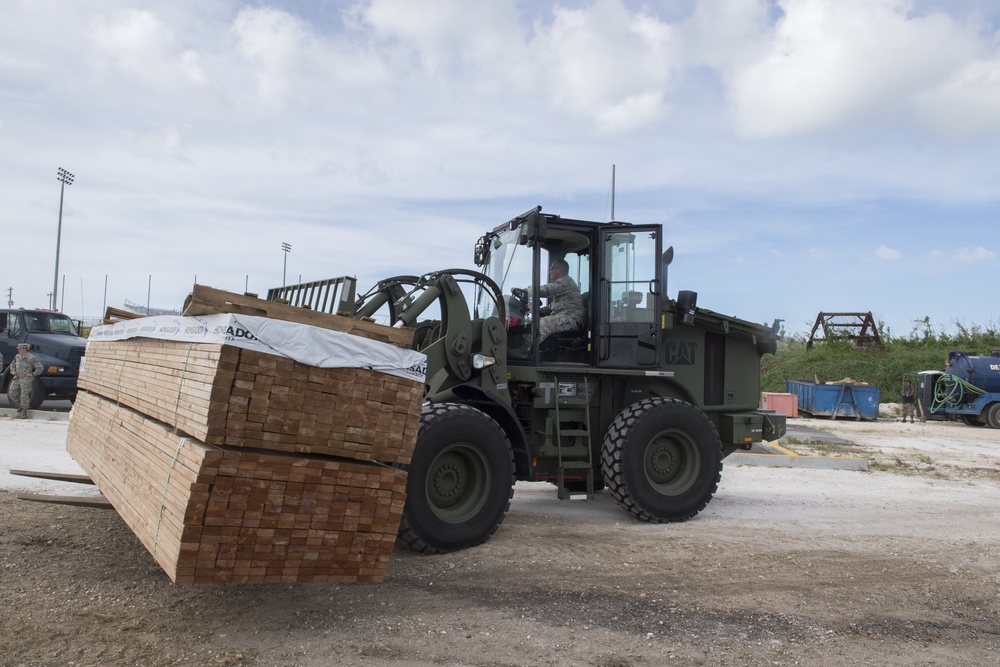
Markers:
(841, 399)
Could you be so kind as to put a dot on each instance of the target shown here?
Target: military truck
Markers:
(55, 342)
(644, 396)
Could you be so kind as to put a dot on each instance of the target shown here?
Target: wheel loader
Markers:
(643, 395)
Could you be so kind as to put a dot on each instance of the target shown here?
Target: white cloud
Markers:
(883, 252)
(294, 64)
(140, 44)
(607, 63)
(720, 33)
(967, 104)
(976, 254)
(445, 34)
(167, 144)
(600, 61)
(832, 63)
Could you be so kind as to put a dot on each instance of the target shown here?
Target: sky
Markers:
(803, 156)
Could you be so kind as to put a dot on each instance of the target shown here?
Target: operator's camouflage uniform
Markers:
(565, 307)
(23, 370)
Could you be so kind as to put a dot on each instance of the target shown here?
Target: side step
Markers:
(575, 410)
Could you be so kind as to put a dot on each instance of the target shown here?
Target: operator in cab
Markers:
(564, 311)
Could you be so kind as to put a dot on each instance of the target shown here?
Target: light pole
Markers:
(287, 249)
(65, 178)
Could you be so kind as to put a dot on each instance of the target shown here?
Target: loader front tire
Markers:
(662, 460)
(459, 482)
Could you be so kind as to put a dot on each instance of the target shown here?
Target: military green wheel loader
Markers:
(644, 395)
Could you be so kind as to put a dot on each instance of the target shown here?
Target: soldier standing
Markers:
(909, 404)
(23, 371)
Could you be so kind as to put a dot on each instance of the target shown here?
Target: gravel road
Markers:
(898, 565)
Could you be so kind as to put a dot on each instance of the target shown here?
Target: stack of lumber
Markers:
(219, 515)
(224, 395)
(236, 466)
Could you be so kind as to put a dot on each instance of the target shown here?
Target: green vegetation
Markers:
(924, 348)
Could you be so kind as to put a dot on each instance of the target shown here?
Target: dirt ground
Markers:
(899, 565)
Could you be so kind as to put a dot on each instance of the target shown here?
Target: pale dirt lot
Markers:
(899, 565)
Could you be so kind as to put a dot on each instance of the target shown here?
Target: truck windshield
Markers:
(49, 323)
(509, 265)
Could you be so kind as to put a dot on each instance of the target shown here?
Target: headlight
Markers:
(55, 369)
(481, 361)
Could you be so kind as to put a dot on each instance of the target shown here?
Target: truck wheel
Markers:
(37, 395)
(972, 420)
(662, 460)
(993, 415)
(460, 480)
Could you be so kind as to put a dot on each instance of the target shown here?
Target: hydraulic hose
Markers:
(953, 390)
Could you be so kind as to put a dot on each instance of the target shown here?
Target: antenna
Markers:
(612, 193)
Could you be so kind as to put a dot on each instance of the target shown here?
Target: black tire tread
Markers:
(37, 394)
(612, 453)
(992, 415)
(433, 413)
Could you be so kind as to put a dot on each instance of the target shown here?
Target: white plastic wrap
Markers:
(306, 344)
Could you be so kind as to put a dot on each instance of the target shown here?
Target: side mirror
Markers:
(482, 252)
(534, 227)
(687, 304)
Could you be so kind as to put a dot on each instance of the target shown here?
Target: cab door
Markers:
(629, 294)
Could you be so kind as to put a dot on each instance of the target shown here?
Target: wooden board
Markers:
(220, 394)
(206, 300)
(99, 502)
(211, 514)
(58, 476)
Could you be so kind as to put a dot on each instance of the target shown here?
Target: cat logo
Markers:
(682, 353)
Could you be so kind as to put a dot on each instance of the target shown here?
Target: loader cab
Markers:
(616, 269)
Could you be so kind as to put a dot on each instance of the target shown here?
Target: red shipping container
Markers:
(785, 404)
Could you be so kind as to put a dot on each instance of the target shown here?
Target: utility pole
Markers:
(65, 178)
(286, 249)
(10, 297)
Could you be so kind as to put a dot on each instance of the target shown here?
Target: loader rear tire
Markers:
(460, 480)
(662, 460)
(993, 415)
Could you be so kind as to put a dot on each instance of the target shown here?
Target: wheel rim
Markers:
(458, 483)
(671, 462)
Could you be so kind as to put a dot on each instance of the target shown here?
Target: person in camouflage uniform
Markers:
(565, 308)
(909, 402)
(23, 371)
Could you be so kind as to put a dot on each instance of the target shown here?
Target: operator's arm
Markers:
(556, 288)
